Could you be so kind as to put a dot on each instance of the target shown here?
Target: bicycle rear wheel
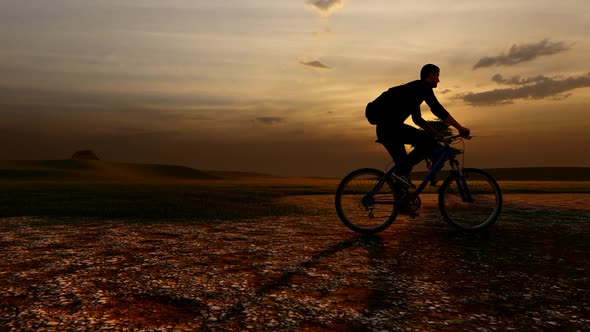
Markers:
(360, 211)
(473, 204)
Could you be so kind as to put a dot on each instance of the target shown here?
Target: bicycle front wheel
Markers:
(471, 203)
(360, 210)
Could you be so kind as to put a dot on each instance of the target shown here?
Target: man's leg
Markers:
(393, 143)
(423, 144)
(398, 153)
(397, 150)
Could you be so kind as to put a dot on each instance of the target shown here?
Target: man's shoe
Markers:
(404, 180)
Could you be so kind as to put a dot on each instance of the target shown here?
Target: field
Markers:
(218, 251)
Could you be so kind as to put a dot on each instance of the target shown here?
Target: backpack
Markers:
(373, 113)
(375, 110)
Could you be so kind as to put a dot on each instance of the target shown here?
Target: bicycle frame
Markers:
(446, 154)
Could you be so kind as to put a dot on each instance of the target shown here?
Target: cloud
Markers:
(539, 87)
(522, 53)
(517, 80)
(314, 64)
(270, 120)
(326, 7)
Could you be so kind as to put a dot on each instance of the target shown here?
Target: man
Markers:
(397, 104)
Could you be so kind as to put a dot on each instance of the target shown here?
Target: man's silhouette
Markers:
(397, 104)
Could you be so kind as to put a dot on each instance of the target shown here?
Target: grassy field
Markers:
(91, 190)
(106, 190)
(145, 201)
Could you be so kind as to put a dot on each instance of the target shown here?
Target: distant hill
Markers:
(533, 174)
(100, 170)
(96, 170)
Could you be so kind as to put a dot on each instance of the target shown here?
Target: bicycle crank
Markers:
(411, 202)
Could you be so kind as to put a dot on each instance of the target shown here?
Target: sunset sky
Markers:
(280, 86)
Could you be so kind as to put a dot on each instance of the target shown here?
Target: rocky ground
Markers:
(302, 273)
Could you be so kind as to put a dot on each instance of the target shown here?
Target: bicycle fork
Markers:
(461, 182)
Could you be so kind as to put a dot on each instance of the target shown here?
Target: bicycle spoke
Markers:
(472, 205)
(358, 209)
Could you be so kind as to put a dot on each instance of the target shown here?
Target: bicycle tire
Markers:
(356, 213)
(479, 213)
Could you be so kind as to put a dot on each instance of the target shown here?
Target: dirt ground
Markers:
(303, 273)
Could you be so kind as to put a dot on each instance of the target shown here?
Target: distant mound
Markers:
(96, 170)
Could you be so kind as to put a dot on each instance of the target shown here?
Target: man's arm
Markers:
(462, 130)
(438, 110)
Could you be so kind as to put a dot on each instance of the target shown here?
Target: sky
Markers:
(280, 86)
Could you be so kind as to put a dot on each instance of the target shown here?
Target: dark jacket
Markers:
(404, 100)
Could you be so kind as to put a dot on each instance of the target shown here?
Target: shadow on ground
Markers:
(298, 273)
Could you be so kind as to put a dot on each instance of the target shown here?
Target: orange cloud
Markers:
(539, 87)
(522, 53)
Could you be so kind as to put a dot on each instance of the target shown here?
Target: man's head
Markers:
(429, 74)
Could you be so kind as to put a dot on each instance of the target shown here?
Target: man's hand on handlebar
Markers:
(464, 131)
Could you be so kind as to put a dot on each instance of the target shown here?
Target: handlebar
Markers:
(449, 139)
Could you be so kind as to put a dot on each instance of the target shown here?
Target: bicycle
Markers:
(369, 200)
